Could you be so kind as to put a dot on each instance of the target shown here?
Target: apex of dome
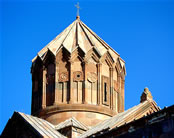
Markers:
(76, 35)
(77, 17)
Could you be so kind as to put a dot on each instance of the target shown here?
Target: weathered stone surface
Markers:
(81, 76)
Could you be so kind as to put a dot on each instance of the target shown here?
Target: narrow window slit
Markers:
(105, 92)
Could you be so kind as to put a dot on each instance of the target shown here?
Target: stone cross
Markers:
(78, 7)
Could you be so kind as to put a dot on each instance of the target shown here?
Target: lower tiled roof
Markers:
(121, 118)
(47, 129)
(43, 127)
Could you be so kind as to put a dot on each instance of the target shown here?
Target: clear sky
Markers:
(142, 32)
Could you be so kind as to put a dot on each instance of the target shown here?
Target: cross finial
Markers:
(78, 7)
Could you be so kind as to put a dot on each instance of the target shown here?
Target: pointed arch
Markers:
(77, 53)
(118, 66)
(48, 58)
(124, 70)
(93, 53)
(107, 57)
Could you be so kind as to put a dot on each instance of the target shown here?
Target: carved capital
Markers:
(99, 64)
(111, 69)
(85, 62)
(70, 61)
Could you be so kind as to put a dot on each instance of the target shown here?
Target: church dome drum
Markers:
(77, 75)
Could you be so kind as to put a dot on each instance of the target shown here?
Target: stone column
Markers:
(44, 89)
(111, 87)
(115, 99)
(71, 81)
(119, 94)
(85, 94)
(99, 85)
(122, 93)
(56, 83)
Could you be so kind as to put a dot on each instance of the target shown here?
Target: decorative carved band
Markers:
(63, 76)
(77, 107)
(92, 77)
(78, 76)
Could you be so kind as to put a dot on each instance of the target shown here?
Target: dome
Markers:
(77, 75)
(76, 35)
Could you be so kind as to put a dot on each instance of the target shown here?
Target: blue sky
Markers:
(142, 32)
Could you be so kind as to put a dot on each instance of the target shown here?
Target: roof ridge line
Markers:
(79, 123)
(25, 116)
(127, 115)
(105, 123)
(101, 40)
(45, 125)
(95, 35)
(42, 125)
(57, 37)
(48, 124)
(88, 37)
(68, 33)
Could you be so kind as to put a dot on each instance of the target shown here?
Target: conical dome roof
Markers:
(76, 35)
(79, 77)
